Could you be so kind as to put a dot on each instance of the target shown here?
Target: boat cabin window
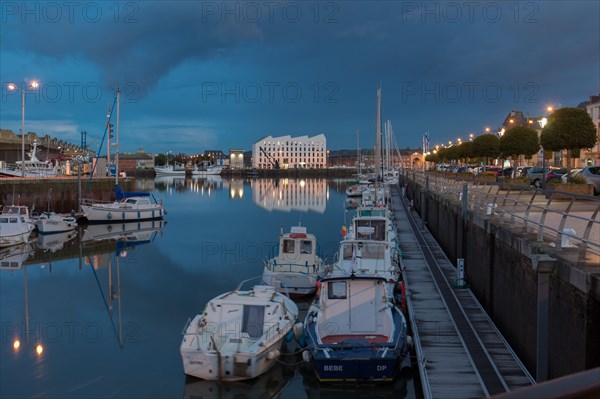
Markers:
(337, 290)
(288, 246)
(131, 201)
(371, 251)
(306, 247)
(253, 320)
(13, 220)
(347, 250)
(3, 220)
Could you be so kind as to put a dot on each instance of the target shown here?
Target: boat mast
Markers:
(117, 144)
(358, 154)
(108, 139)
(378, 136)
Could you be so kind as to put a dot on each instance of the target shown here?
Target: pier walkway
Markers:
(460, 352)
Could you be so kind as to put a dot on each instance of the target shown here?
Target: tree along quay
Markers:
(62, 192)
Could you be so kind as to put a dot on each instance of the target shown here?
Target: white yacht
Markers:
(207, 170)
(238, 335)
(296, 268)
(135, 208)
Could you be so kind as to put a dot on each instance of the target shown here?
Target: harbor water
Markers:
(100, 312)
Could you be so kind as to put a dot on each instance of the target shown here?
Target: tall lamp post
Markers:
(34, 84)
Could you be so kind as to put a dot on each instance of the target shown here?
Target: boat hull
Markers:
(14, 239)
(355, 366)
(112, 214)
(230, 366)
(56, 225)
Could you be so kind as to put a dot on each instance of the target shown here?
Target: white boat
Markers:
(50, 222)
(296, 268)
(32, 167)
(356, 190)
(207, 170)
(177, 169)
(238, 335)
(15, 225)
(128, 209)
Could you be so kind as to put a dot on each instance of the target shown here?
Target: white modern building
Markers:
(290, 152)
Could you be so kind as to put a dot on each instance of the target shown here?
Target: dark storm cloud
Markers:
(141, 45)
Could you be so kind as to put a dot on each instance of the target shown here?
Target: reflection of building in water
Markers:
(291, 194)
(205, 185)
(236, 189)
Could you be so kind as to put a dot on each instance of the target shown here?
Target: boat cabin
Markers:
(367, 257)
(297, 247)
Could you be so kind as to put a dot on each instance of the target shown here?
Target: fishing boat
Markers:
(354, 332)
(51, 222)
(368, 258)
(376, 223)
(295, 270)
(207, 170)
(177, 169)
(238, 335)
(15, 225)
(32, 167)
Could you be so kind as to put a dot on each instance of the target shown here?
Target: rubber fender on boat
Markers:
(305, 356)
(109, 216)
(274, 354)
(298, 330)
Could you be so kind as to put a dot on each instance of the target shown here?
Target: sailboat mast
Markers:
(358, 153)
(378, 135)
(117, 146)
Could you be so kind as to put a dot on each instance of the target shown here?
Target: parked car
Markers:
(536, 175)
(522, 171)
(572, 173)
(555, 175)
(592, 176)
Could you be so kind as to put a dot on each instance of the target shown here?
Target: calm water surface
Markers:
(105, 307)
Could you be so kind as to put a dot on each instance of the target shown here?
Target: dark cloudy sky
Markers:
(206, 75)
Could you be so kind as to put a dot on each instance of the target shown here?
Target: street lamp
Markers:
(34, 84)
(471, 135)
(487, 129)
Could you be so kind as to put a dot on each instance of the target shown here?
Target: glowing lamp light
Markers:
(34, 84)
(12, 87)
(487, 129)
(16, 344)
(549, 109)
(39, 349)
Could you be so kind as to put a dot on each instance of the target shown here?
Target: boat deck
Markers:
(460, 352)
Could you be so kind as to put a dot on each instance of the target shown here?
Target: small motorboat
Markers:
(354, 331)
(50, 222)
(296, 268)
(238, 335)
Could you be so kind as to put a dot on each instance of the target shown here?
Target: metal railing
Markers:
(563, 220)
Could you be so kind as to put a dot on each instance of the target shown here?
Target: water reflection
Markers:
(268, 385)
(291, 194)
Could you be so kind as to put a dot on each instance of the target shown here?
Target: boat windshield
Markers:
(370, 229)
(306, 247)
(369, 250)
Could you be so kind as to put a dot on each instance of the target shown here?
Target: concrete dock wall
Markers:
(500, 264)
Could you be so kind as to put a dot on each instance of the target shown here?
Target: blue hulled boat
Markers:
(354, 332)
